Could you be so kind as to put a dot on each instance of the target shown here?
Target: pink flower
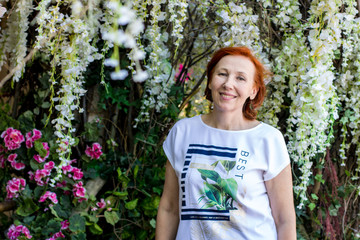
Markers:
(17, 165)
(40, 174)
(31, 175)
(65, 224)
(94, 152)
(66, 169)
(12, 138)
(15, 231)
(77, 173)
(81, 199)
(62, 184)
(101, 204)
(79, 190)
(49, 195)
(58, 235)
(12, 157)
(30, 139)
(40, 159)
(14, 186)
(49, 166)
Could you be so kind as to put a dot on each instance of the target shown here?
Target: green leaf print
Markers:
(228, 165)
(213, 193)
(229, 186)
(211, 174)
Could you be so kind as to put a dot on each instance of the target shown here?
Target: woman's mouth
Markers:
(227, 95)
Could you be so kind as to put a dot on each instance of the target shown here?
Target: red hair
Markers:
(250, 106)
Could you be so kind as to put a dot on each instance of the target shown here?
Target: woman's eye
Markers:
(222, 74)
(241, 78)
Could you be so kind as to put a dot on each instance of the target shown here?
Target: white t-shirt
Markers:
(222, 178)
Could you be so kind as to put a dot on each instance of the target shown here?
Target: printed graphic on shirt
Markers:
(212, 173)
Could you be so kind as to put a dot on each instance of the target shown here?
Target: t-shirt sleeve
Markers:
(277, 155)
(169, 145)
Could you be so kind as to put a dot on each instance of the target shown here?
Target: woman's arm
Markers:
(167, 220)
(280, 193)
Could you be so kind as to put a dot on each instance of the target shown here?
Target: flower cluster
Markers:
(12, 138)
(49, 195)
(31, 137)
(240, 26)
(177, 12)
(42, 175)
(101, 205)
(158, 67)
(125, 17)
(15, 232)
(14, 186)
(40, 159)
(94, 152)
(16, 165)
(79, 191)
(73, 172)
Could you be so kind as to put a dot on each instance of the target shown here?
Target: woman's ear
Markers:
(254, 92)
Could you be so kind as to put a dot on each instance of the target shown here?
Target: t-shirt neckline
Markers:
(229, 131)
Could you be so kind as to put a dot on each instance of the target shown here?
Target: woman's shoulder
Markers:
(267, 130)
(187, 122)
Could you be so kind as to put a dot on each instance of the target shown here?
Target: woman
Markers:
(228, 175)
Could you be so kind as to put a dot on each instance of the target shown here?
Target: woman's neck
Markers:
(228, 121)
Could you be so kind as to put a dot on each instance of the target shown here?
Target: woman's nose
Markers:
(229, 82)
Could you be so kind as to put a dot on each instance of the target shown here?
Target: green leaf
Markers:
(136, 170)
(79, 236)
(61, 213)
(314, 196)
(54, 212)
(95, 229)
(45, 105)
(112, 217)
(40, 148)
(213, 193)
(228, 165)
(229, 186)
(132, 204)
(77, 223)
(26, 121)
(153, 223)
(319, 178)
(52, 226)
(121, 195)
(34, 164)
(27, 208)
(312, 206)
(211, 174)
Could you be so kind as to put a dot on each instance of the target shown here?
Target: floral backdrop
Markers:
(89, 90)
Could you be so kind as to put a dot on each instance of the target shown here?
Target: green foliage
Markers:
(27, 207)
(77, 223)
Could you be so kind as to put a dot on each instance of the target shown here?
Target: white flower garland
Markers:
(15, 38)
(177, 12)
(68, 40)
(313, 109)
(158, 86)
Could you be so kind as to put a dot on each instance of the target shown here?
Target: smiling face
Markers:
(232, 82)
